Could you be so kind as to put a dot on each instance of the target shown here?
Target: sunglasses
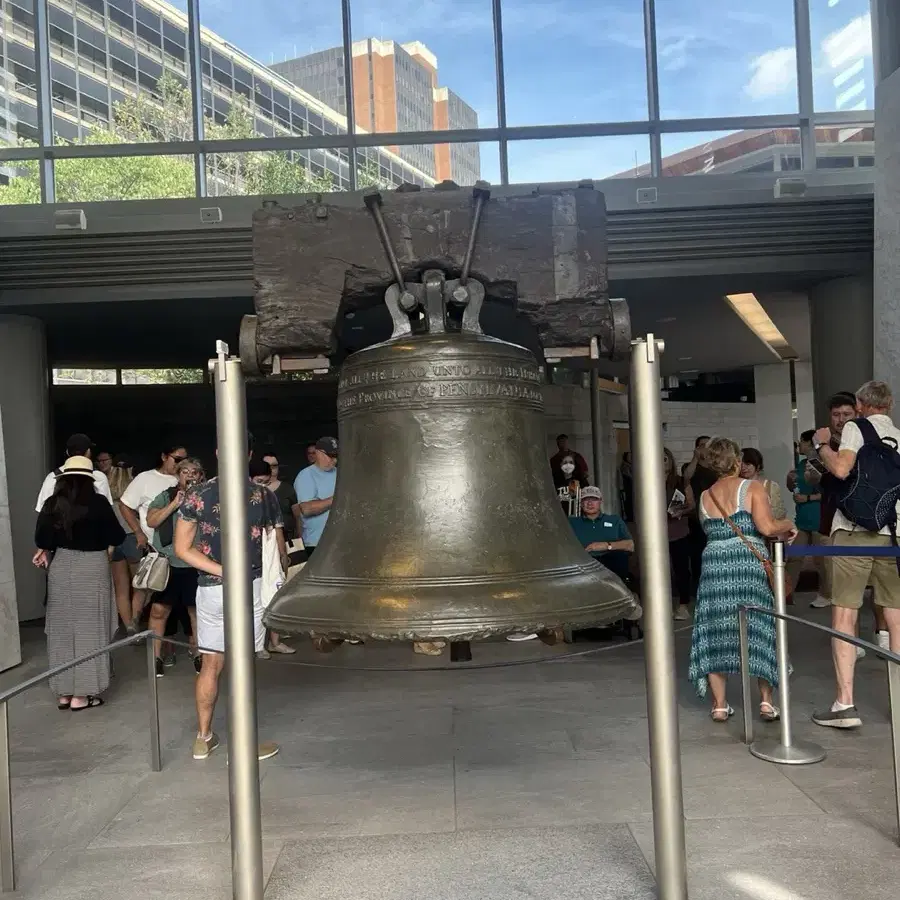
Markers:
(178, 459)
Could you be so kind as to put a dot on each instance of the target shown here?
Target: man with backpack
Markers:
(867, 465)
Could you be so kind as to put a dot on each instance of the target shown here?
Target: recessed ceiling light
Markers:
(751, 312)
(684, 358)
(689, 371)
(666, 319)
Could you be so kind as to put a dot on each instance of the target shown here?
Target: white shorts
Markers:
(211, 617)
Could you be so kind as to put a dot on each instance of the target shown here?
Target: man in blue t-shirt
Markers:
(314, 486)
(605, 537)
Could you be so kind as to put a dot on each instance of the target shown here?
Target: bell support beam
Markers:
(653, 550)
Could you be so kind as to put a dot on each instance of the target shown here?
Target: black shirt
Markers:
(702, 480)
(98, 530)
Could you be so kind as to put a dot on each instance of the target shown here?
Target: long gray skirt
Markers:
(79, 612)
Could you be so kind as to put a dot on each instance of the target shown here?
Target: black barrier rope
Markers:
(456, 667)
(839, 550)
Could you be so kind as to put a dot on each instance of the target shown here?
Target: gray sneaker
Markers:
(843, 718)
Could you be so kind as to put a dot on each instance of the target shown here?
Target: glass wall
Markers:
(345, 94)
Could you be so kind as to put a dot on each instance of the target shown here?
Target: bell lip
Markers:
(455, 629)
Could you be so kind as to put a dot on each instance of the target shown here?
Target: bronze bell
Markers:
(445, 522)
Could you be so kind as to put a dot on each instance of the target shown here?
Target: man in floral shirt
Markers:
(198, 542)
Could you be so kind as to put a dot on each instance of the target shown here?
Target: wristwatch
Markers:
(816, 443)
(608, 546)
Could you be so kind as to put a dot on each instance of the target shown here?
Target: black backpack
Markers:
(868, 497)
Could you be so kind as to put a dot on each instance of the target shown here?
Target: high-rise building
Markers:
(103, 51)
(395, 88)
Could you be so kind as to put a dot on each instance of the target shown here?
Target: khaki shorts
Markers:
(851, 574)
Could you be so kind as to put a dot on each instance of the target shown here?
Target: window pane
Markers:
(124, 178)
(849, 147)
(842, 55)
(19, 183)
(416, 68)
(84, 376)
(574, 62)
(728, 58)
(18, 88)
(118, 47)
(463, 163)
(256, 51)
(274, 172)
(727, 153)
(572, 159)
(162, 376)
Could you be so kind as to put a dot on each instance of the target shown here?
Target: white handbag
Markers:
(272, 573)
(152, 573)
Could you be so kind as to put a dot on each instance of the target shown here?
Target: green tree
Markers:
(162, 376)
(166, 117)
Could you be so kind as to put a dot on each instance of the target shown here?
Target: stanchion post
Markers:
(746, 701)
(785, 750)
(243, 768)
(7, 847)
(155, 752)
(596, 427)
(659, 639)
(894, 695)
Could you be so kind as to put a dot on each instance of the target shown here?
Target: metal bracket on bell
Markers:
(434, 297)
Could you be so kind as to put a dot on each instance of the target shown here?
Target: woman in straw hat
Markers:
(75, 532)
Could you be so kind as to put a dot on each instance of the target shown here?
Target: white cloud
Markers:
(774, 73)
(849, 43)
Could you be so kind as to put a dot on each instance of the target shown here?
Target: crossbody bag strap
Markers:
(736, 529)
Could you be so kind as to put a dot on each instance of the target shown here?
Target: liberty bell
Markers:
(445, 523)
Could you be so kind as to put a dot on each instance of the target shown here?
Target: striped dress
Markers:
(730, 576)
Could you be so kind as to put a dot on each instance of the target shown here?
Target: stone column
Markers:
(775, 425)
(841, 313)
(24, 461)
(887, 232)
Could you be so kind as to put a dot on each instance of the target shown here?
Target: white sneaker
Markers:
(820, 602)
(883, 639)
(860, 652)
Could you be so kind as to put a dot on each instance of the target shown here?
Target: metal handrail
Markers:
(888, 655)
(23, 686)
(7, 847)
(787, 744)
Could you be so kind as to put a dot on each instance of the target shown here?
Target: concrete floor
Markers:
(526, 782)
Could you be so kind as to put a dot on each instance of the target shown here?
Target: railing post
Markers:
(659, 640)
(894, 695)
(746, 703)
(7, 848)
(243, 769)
(786, 750)
(153, 710)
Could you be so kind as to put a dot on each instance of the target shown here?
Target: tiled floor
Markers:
(508, 783)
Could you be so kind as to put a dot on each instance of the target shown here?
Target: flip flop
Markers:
(768, 712)
(91, 703)
(721, 713)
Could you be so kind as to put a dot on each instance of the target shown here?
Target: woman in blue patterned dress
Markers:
(732, 575)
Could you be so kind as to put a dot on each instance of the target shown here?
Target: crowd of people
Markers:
(99, 526)
(845, 485)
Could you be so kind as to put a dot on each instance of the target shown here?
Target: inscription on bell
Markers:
(367, 396)
(437, 371)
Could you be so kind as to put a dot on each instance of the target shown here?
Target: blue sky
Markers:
(583, 60)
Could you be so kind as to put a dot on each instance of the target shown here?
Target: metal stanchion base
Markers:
(801, 753)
